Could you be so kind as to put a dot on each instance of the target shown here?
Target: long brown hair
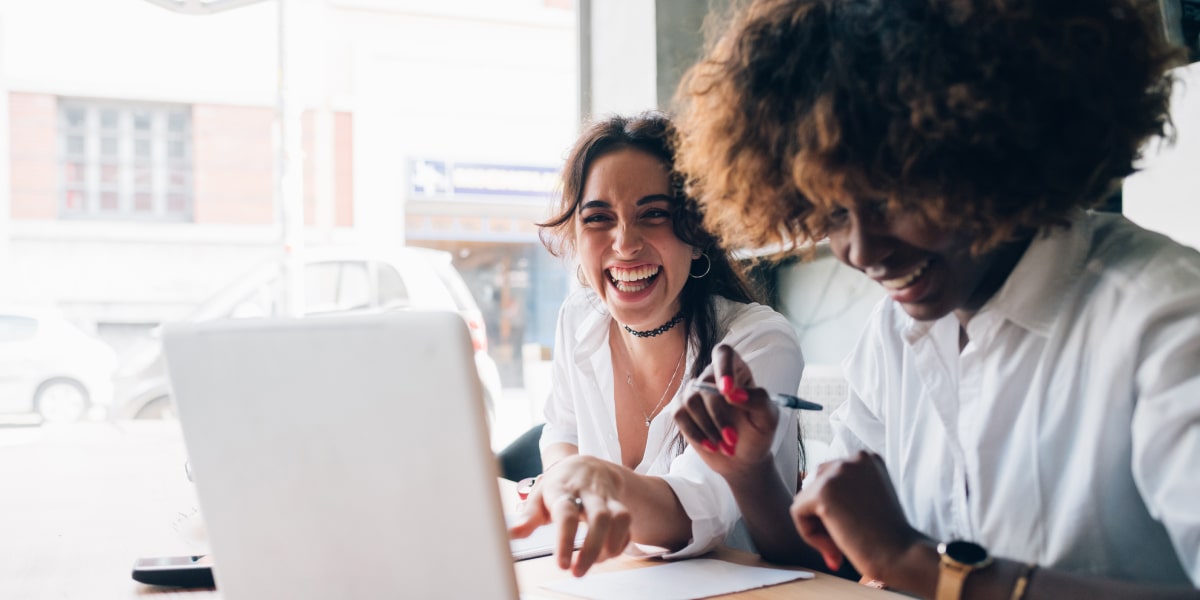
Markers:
(653, 134)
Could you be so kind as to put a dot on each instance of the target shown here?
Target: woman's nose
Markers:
(627, 240)
(867, 247)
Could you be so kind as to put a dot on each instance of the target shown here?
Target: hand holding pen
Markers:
(728, 418)
(783, 400)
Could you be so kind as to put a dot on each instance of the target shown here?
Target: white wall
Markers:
(1165, 195)
(828, 303)
(624, 57)
(133, 49)
(442, 88)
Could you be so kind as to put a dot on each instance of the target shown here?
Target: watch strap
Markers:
(951, 577)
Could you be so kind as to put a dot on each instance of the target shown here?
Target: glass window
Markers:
(75, 117)
(135, 164)
(392, 292)
(320, 287)
(354, 289)
(108, 119)
(336, 286)
(15, 329)
(176, 123)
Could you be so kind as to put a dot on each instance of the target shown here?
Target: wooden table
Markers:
(79, 503)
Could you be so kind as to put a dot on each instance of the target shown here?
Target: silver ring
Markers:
(573, 499)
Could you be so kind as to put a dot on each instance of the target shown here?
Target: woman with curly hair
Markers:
(1029, 387)
(658, 294)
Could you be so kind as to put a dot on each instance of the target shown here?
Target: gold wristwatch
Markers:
(959, 559)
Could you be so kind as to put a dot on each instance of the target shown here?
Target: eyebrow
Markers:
(643, 201)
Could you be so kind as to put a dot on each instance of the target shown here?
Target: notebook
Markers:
(341, 457)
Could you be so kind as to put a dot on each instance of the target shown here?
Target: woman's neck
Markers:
(650, 353)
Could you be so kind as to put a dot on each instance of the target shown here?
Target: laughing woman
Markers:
(1029, 389)
(659, 293)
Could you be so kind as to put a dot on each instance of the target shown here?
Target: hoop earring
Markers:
(579, 275)
(707, 267)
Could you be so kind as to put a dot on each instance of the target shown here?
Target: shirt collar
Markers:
(592, 331)
(1035, 291)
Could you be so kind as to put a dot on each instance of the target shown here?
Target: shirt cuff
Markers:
(709, 511)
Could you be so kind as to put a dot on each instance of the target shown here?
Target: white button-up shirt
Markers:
(1067, 431)
(581, 410)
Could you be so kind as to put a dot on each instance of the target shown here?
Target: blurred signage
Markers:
(473, 182)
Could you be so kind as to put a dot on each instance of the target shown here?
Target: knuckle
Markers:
(694, 403)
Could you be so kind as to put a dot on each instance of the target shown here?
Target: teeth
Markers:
(632, 280)
(902, 282)
(644, 272)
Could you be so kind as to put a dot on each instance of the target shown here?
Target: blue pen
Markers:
(784, 400)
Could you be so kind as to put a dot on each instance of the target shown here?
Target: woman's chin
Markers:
(637, 309)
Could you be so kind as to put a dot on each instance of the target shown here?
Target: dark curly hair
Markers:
(653, 134)
(984, 116)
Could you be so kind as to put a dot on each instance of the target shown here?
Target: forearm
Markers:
(917, 573)
(658, 517)
(554, 453)
(764, 500)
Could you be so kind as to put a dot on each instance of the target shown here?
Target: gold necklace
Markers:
(654, 411)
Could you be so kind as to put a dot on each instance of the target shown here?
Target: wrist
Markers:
(916, 569)
(752, 474)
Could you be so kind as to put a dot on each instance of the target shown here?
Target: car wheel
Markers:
(61, 401)
(158, 408)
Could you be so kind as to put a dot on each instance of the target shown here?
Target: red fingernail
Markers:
(738, 396)
(727, 449)
(711, 447)
(730, 435)
(726, 384)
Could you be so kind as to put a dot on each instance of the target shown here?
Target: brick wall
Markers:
(343, 169)
(33, 155)
(233, 169)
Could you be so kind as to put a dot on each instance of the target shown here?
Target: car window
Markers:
(15, 329)
(336, 286)
(392, 292)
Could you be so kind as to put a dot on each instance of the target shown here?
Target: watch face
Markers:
(967, 553)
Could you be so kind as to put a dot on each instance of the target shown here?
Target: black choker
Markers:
(657, 330)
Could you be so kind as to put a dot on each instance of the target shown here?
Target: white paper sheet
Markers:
(683, 580)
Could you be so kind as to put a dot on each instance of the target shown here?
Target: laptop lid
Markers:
(341, 457)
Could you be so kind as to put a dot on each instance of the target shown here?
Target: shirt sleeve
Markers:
(768, 344)
(561, 425)
(856, 424)
(1166, 418)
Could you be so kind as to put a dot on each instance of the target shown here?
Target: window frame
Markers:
(97, 181)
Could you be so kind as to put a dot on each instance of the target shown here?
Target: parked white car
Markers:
(51, 367)
(337, 282)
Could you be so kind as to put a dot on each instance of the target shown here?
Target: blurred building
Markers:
(138, 151)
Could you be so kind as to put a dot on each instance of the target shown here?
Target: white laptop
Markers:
(342, 457)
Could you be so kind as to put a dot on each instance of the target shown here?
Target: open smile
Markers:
(906, 280)
(633, 280)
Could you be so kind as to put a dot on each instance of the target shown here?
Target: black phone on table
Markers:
(179, 571)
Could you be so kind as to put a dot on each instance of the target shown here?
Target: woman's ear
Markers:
(696, 252)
